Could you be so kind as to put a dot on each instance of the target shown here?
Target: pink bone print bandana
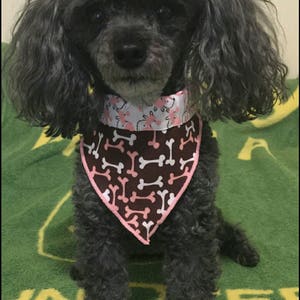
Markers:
(141, 175)
(166, 112)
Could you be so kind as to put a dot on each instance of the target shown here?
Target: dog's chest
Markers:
(141, 175)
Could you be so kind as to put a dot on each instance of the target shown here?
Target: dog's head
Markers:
(224, 52)
(134, 46)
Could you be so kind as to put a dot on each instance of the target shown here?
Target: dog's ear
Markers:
(48, 86)
(233, 68)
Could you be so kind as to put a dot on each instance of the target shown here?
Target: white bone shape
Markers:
(162, 194)
(148, 225)
(184, 162)
(90, 147)
(130, 139)
(119, 166)
(95, 152)
(163, 210)
(142, 183)
(171, 199)
(170, 161)
(159, 161)
(106, 195)
(189, 128)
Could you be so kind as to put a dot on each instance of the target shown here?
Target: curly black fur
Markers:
(234, 57)
(224, 52)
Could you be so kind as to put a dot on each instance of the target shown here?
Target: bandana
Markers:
(142, 159)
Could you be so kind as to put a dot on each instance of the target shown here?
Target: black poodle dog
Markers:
(84, 66)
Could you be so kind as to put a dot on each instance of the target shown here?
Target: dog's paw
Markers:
(246, 255)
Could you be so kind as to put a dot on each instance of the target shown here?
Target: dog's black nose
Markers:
(130, 56)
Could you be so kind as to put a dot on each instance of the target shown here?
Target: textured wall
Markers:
(288, 14)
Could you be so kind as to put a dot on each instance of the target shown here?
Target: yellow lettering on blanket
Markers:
(42, 230)
(280, 111)
(80, 294)
(50, 294)
(231, 294)
(46, 294)
(159, 288)
(43, 140)
(289, 293)
(250, 145)
(72, 145)
(214, 134)
(26, 295)
(237, 294)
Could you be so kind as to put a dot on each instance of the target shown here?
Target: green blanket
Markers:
(258, 189)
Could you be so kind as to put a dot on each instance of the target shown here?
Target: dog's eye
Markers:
(163, 12)
(97, 16)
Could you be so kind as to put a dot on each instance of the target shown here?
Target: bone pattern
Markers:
(184, 162)
(184, 142)
(123, 182)
(170, 161)
(114, 189)
(162, 194)
(132, 156)
(106, 195)
(96, 151)
(145, 212)
(143, 184)
(139, 204)
(189, 128)
(154, 142)
(148, 225)
(173, 178)
(159, 161)
(119, 146)
(130, 139)
(134, 221)
(92, 149)
(119, 166)
(106, 174)
(150, 197)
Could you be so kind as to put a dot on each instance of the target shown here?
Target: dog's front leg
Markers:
(191, 264)
(101, 259)
(101, 262)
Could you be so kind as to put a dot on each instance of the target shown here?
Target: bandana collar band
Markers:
(165, 113)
